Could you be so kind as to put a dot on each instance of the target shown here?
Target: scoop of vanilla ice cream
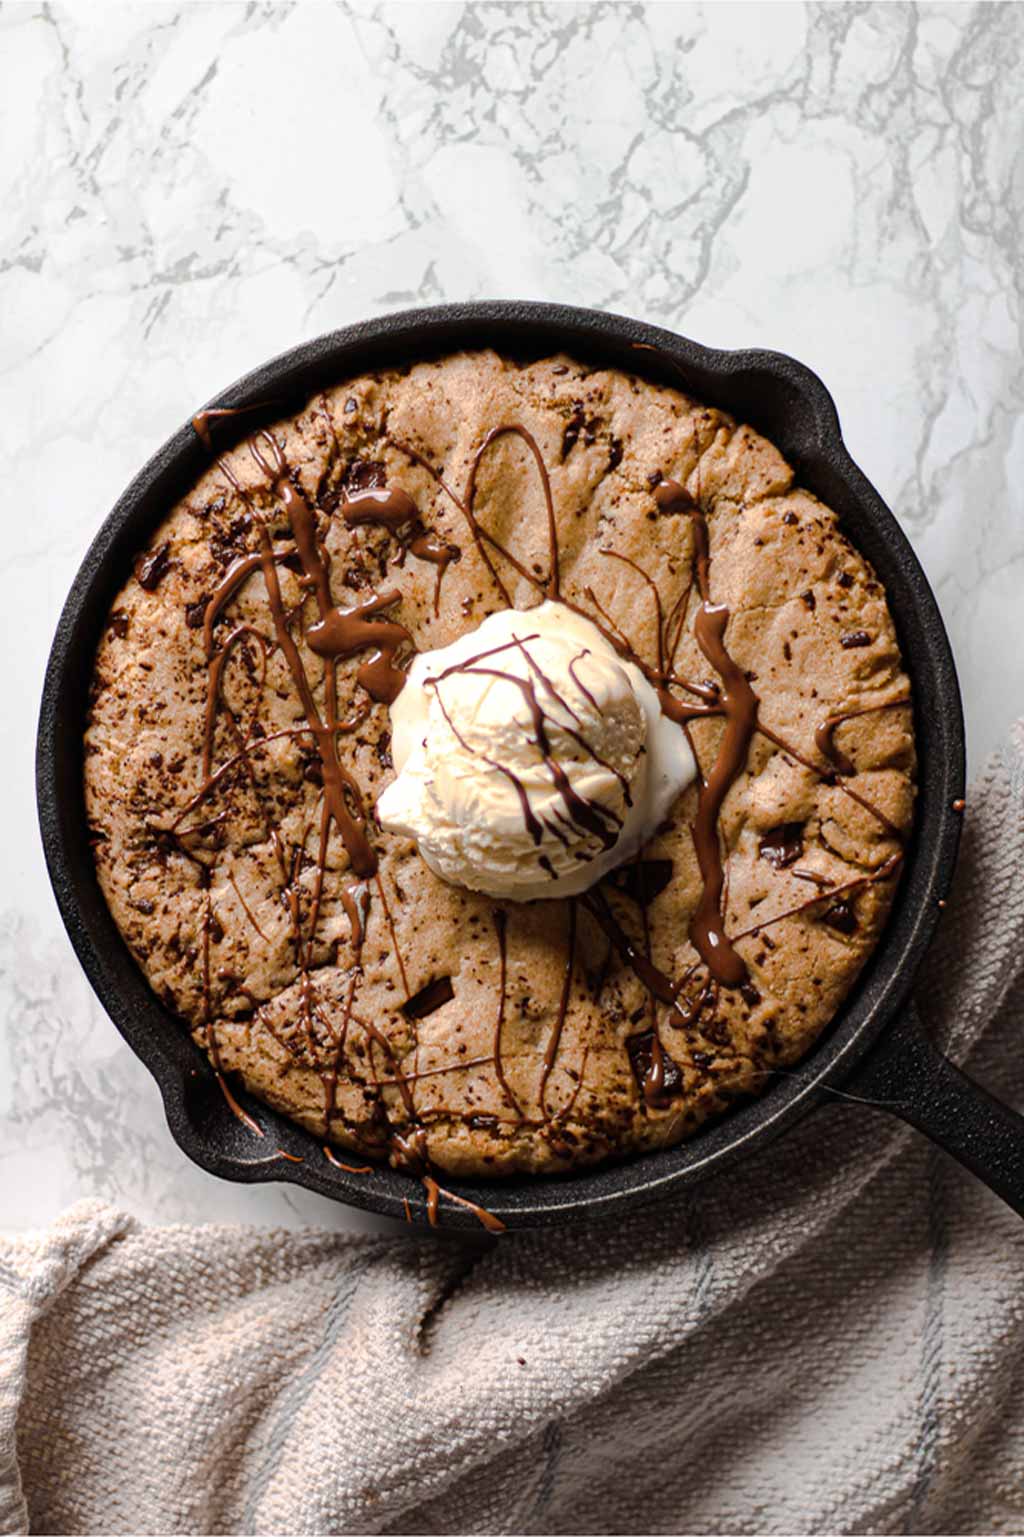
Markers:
(531, 757)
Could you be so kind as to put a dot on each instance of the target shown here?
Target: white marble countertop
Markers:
(189, 189)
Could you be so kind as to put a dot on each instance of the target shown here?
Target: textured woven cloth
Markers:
(829, 1339)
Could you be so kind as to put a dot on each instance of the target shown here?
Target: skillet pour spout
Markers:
(875, 1045)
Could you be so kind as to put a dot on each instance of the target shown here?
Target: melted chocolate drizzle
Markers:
(394, 509)
(824, 735)
(204, 422)
(739, 704)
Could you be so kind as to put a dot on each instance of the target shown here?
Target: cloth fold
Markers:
(828, 1338)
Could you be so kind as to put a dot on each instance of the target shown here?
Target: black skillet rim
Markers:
(773, 391)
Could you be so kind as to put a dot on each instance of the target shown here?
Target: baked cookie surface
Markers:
(233, 759)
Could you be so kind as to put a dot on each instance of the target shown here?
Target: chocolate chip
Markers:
(573, 428)
(750, 994)
(365, 475)
(810, 600)
(642, 879)
(640, 1049)
(429, 998)
(615, 453)
(783, 845)
(845, 579)
(313, 772)
(789, 517)
(152, 566)
(195, 613)
(854, 638)
(119, 623)
(227, 543)
(841, 917)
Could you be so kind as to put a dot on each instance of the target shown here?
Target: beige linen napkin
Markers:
(829, 1339)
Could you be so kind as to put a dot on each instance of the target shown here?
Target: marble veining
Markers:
(188, 189)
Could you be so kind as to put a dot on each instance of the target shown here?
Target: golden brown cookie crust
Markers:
(248, 928)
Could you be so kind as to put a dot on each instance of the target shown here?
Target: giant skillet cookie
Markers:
(240, 736)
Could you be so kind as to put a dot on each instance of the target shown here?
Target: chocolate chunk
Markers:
(783, 845)
(810, 600)
(151, 567)
(642, 879)
(841, 917)
(789, 518)
(641, 1057)
(573, 428)
(750, 994)
(313, 772)
(365, 475)
(195, 613)
(615, 453)
(119, 623)
(845, 579)
(429, 998)
(228, 543)
(854, 638)
(580, 428)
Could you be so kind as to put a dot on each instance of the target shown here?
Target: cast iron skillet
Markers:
(875, 1042)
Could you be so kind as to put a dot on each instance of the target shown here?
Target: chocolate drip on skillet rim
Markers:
(780, 398)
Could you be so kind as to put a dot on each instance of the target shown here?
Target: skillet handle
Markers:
(911, 1078)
